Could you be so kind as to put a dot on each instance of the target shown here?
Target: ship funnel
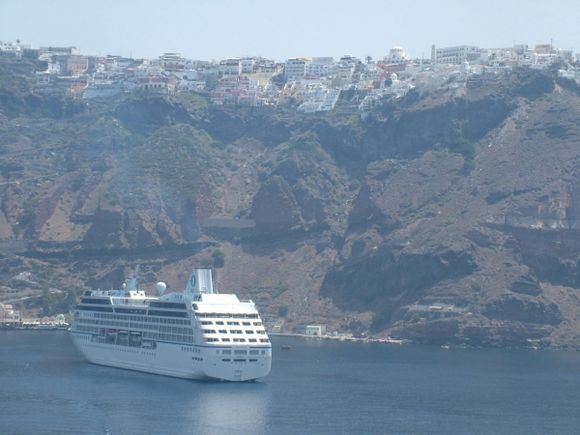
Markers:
(200, 281)
(132, 282)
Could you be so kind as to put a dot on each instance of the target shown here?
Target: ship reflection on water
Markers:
(230, 407)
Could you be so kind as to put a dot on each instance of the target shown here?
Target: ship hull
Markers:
(174, 359)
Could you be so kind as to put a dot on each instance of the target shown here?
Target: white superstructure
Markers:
(197, 334)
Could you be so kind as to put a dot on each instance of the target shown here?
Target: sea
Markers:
(315, 387)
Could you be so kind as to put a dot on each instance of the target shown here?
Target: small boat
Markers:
(445, 347)
(286, 347)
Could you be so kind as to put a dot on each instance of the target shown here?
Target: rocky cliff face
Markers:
(442, 217)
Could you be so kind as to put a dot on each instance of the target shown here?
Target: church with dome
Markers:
(396, 55)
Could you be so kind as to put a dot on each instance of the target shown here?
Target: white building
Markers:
(59, 50)
(397, 89)
(349, 59)
(315, 330)
(371, 73)
(231, 67)
(570, 73)
(172, 62)
(9, 47)
(319, 98)
(294, 69)
(247, 65)
(319, 67)
(235, 90)
(189, 80)
(343, 73)
(455, 55)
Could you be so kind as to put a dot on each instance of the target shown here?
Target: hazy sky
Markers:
(215, 29)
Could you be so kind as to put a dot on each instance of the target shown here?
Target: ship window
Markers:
(253, 360)
(257, 323)
(227, 351)
(254, 352)
(223, 331)
(226, 359)
(225, 339)
(95, 301)
(240, 352)
(249, 332)
(168, 314)
(83, 308)
(130, 311)
(264, 340)
(252, 340)
(239, 360)
(219, 323)
(174, 305)
(206, 322)
(246, 323)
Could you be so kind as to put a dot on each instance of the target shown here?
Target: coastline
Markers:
(343, 337)
(400, 342)
(34, 328)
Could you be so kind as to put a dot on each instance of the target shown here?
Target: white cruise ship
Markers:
(196, 334)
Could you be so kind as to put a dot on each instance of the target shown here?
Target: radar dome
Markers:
(161, 287)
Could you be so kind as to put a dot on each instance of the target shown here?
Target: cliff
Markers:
(441, 217)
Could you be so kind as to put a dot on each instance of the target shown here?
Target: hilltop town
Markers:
(311, 84)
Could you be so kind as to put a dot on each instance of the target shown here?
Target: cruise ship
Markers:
(195, 334)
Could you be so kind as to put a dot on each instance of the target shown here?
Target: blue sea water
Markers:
(316, 387)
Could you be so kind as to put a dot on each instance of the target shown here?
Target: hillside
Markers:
(450, 216)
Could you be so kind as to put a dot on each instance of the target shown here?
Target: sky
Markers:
(217, 29)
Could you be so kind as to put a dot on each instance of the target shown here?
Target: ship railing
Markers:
(127, 301)
(228, 315)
